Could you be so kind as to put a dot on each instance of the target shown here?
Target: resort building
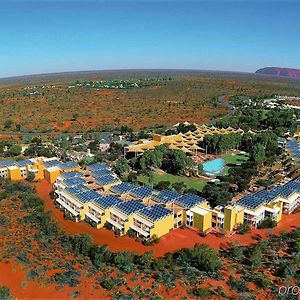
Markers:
(122, 215)
(186, 142)
(99, 210)
(152, 221)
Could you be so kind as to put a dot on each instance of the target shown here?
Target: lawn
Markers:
(191, 182)
(234, 159)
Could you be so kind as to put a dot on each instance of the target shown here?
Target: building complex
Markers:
(96, 195)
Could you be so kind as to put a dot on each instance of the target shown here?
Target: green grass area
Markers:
(234, 159)
(191, 182)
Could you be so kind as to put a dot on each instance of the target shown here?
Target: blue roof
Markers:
(6, 163)
(122, 188)
(77, 190)
(107, 201)
(74, 181)
(23, 163)
(72, 174)
(166, 196)
(251, 202)
(130, 207)
(101, 173)
(98, 166)
(108, 179)
(155, 212)
(68, 165)
(51, 163)
(189, 200)
(142, 192)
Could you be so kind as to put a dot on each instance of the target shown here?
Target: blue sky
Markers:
(52, 36)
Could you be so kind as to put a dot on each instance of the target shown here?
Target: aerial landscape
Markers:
(149, 149)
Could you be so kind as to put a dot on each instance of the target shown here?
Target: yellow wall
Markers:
(232, 218)
(274, 205)
(202, 222)
(51, 176)
(14, 174)
(162, 227)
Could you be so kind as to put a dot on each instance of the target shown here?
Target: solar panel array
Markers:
(98, 166)
(251, 202)
(142, 192)
(51, 163)
(166, 196)
(130, 207)
(288, 188)
(88, 196)
(105, 180)
(101, 173)
(189, 200)
(107, 201)
(68, 165)
(122, 188)
(72, 174)
(23, 163)
(6, 163)
(74, 181)
(294, 147)
(155, 212)
(77, 190)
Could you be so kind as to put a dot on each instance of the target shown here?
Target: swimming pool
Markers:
(214, 167)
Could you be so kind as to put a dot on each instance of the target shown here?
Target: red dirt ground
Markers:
(14, 276)
(175, 240)
(65, 126)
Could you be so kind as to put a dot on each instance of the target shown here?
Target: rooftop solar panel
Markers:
(189, 200)
(142, 192)
(23, 163)
(72, 174)
(70, 182)
(122, 188)
(6, 163)
(107, 201)
(105, 180)
(68, 165)
(51, 163)
(130, 207)
(155, 212)
(166, 196)
(98, 166)
(100, 173)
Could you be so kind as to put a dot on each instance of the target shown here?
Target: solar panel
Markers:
(155, 212)
(72, 174)
(130, 207)
(122, 188)
(166, 196)
(23, 163)
(251, 202)
(105, 180)
(88, 196)
(77, 190)
(51, 163)
(98, 166)
(107, 201)
(68, 165)
(71, 182)
(6, 163)
(100, 173)
(189, 200)
(142, 192)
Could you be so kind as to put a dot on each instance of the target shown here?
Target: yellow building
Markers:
(233, 216)
(152, 221)
(122, 215)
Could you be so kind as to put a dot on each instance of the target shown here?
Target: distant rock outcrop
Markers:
(279, 72)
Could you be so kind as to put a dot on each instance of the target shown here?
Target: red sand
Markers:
(14, 277)
(175, 240)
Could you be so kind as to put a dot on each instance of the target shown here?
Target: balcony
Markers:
(92, 217)
(67, 207)
(115, 224)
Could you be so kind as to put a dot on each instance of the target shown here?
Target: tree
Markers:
(258, 154)
(14, 150)
(8, 123)
(5, 293)
(122, 167)
(30, 176)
